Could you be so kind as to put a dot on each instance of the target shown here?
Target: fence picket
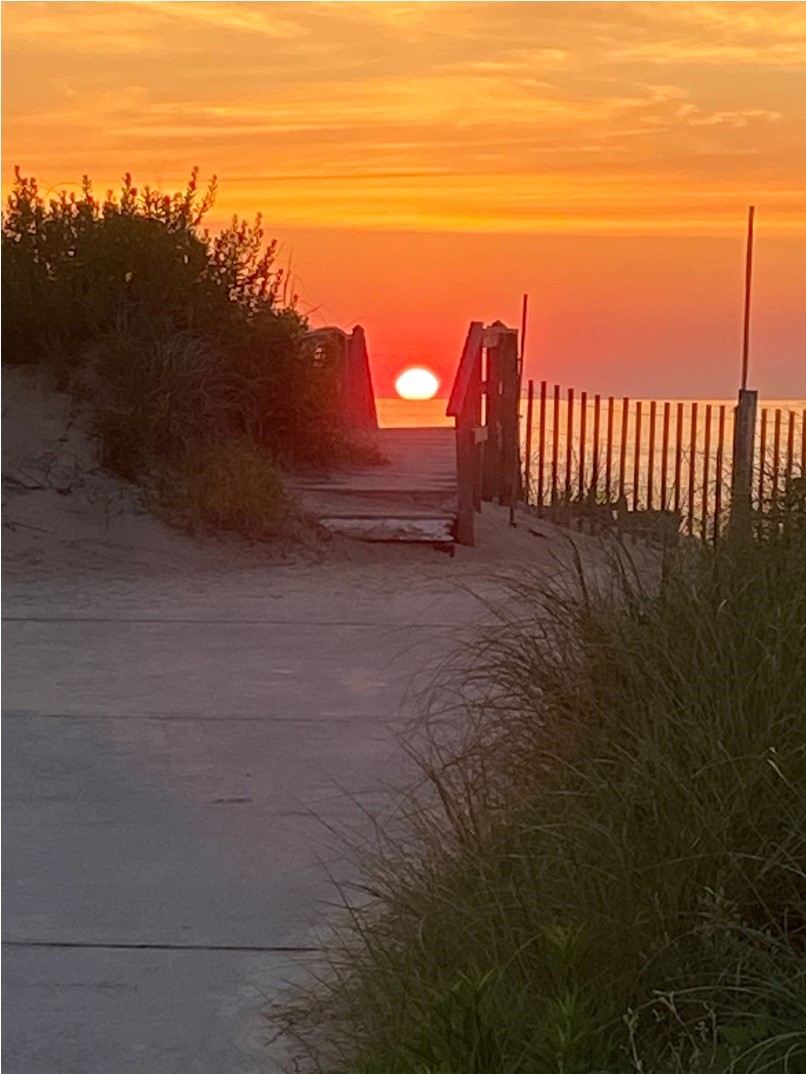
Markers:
(597, 403)
(776, 462)
(706, 465)
(650, 466)
(625, 424)
(541, 443)
(664, 457)
(636, 470)
(555, 446)
(569, 444)
(720, 451)
(611, 404)
(583, 429)
(678, 459)
(692, 468)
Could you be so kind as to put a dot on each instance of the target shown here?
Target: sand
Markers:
(185, 718)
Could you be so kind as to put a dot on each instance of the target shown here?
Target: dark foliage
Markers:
(174, 335)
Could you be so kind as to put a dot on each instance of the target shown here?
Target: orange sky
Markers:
(423, 164)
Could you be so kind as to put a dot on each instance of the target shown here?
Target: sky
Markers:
(423, 165)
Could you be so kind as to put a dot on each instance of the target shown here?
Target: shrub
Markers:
(172, 334)
(229, 486)
(610, 872)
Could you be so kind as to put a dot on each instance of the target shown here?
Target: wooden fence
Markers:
(650, 464)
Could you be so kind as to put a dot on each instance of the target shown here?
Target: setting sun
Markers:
(417, 383)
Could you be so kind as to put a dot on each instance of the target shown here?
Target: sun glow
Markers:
(417, 383)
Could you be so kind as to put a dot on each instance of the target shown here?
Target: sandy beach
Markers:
(185, 718)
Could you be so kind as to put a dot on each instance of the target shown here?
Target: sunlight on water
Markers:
(411, 413)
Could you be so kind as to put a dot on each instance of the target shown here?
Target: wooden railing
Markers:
(484, 405)
(347, 355)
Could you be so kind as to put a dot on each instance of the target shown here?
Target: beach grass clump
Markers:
(153, 397)
(607, 871)
(228, 487)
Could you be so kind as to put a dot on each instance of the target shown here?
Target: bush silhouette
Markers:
(175, 335)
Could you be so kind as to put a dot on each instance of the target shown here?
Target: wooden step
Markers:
(412, 496)
(422, 529)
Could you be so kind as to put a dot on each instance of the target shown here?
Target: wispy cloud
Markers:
(433, 115)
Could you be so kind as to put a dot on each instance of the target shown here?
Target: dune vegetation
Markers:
(185, 344)
(607, 871)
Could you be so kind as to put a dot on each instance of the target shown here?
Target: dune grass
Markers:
(231, 487)
(608, 872)
(171, 335)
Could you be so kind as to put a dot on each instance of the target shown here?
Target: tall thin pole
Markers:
(523, 337)
(744, 422)
(518, 472)
(748, 280)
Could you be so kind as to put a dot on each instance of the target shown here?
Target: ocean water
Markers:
(407, 414)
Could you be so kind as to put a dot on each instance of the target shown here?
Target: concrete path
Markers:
(173, 741)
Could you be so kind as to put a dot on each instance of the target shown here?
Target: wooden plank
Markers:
(664, 459)
(541, 445)
(636, 466)
(692, 468)
(555, 444)
(720, 452)
(609, 449)
(527, 459)
(650, 465)
(466, 498)
(622, 464)
(706, 464)
(359, 396)
(583, 447)
(468, 370)
(569, 444)
(435, 530)
(597, 406)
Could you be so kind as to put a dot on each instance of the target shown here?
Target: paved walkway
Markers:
(172, 742)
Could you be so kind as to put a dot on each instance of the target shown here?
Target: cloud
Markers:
(405, 114)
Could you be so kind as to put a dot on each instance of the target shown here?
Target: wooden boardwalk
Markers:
(412, 496)
(433, 479)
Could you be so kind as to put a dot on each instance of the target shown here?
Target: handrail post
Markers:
(464, 406)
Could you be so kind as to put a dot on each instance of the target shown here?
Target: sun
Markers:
(417, 383)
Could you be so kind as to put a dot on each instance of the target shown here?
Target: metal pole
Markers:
(748, 280)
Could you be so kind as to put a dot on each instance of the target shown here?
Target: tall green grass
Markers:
(607, 870)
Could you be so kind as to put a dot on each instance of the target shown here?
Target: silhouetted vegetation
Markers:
(610, 873)
(179, 339)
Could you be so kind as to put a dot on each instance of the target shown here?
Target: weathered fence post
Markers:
(744, 431)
